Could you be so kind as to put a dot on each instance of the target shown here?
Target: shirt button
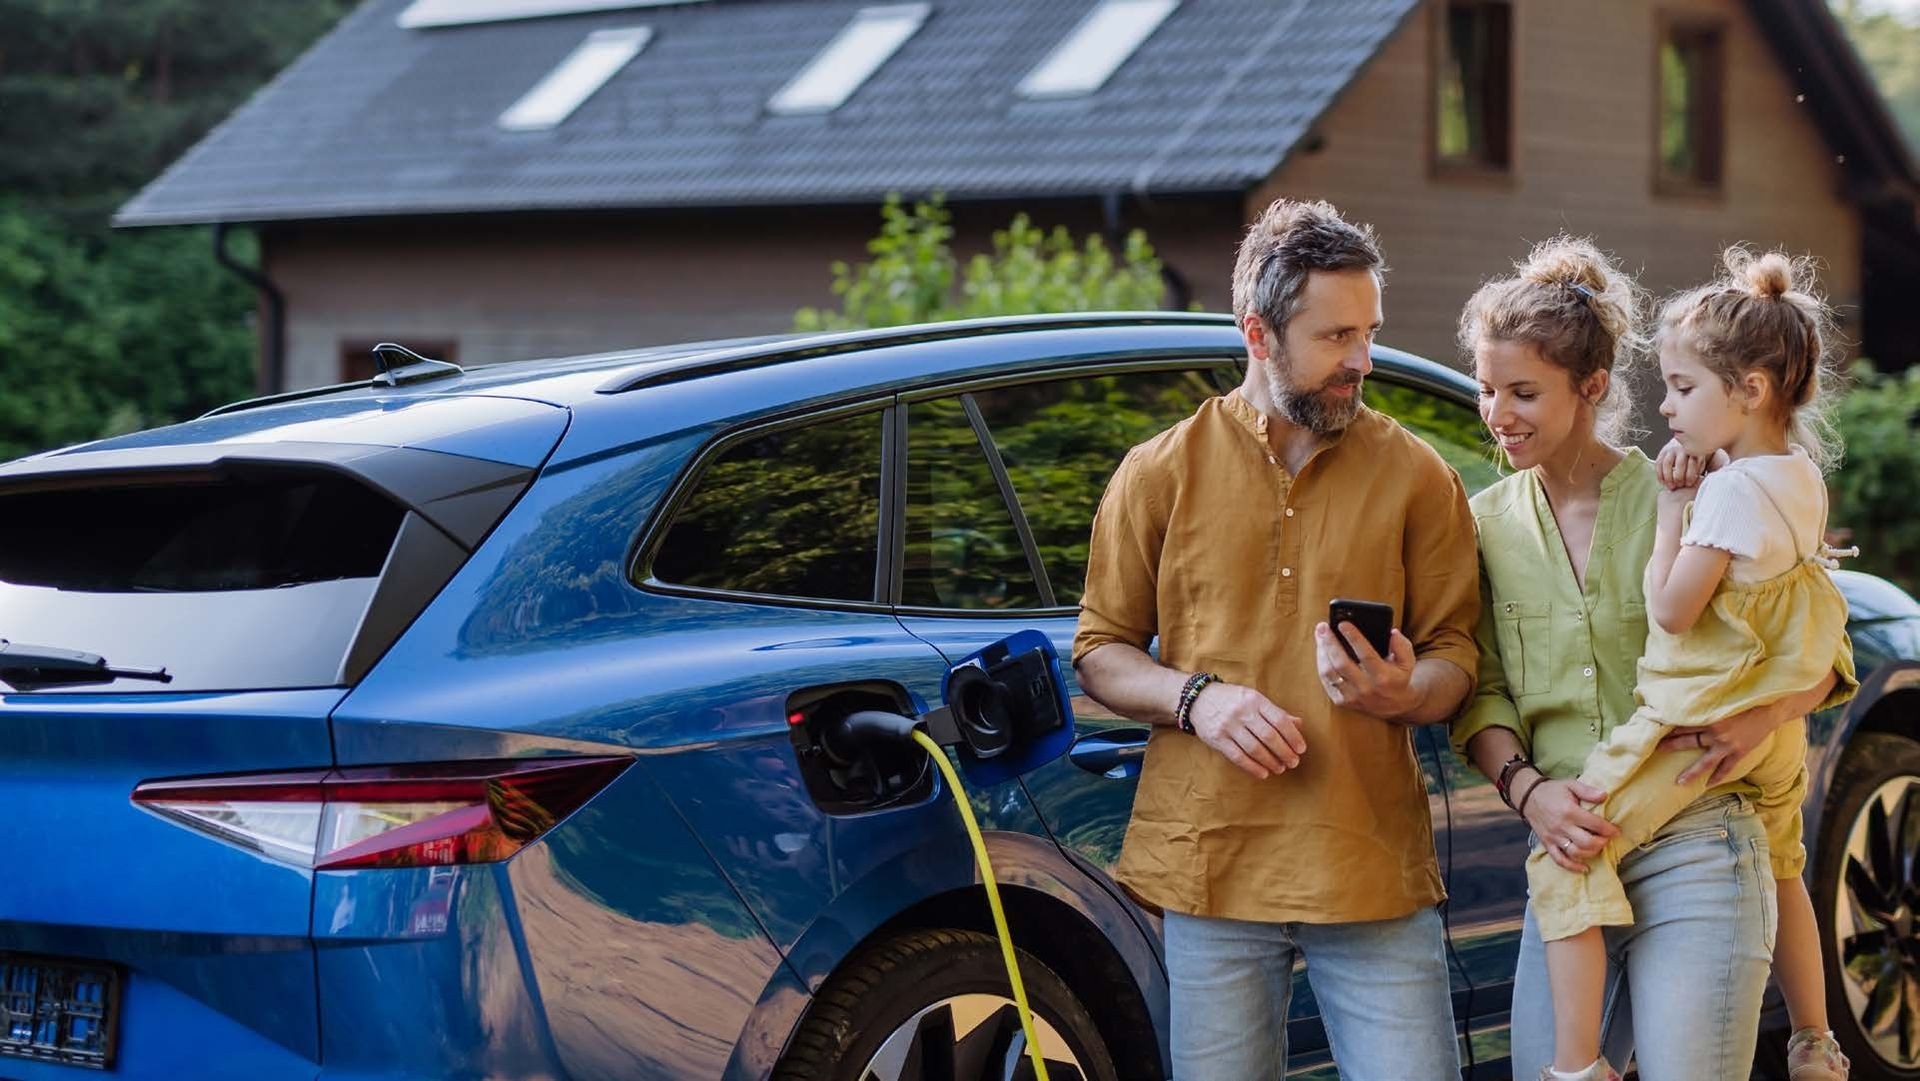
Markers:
(1286, 572)
(1289, 512)
(1270, 460)
(1578, 616)
(1587, 671)
(1509, 607)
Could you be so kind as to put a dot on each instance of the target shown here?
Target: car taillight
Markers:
(387, 816)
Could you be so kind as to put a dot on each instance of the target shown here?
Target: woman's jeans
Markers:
(1684, 983)
(1382, 989)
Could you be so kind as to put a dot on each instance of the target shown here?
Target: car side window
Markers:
(793, 513)
(962, 550)
(1062, 439)
(1452, 429)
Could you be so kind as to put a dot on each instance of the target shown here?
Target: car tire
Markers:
(1874, 806)
(940, 1001)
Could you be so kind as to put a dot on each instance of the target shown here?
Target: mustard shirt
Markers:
(1204, 540)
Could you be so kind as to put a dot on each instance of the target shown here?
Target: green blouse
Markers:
(1557, 665)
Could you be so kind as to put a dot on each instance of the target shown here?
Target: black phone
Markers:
(1372, 619)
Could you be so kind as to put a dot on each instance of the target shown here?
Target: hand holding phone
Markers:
(1373, 620)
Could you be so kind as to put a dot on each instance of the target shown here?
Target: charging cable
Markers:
(869, 726)
(993, 899)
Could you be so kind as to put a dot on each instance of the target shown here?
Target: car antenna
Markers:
(399, 366)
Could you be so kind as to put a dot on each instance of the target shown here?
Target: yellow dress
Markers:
(1755, 643)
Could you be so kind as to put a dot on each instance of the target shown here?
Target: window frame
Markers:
(1443, 167)
(654, 534)
(1670, 25)
(1003, 484)
(890, 533)
(1161, 361)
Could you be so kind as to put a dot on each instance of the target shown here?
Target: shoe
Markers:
(1602, 1071)
(1812, 1055)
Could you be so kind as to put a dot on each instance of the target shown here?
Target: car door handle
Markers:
(1114, 753)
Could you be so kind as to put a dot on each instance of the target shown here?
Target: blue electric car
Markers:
(470, 724)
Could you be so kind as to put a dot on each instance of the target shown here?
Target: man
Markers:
(1281, 812)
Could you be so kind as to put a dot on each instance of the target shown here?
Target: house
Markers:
(493, 179)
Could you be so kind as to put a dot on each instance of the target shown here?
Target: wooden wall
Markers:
(1583, 161)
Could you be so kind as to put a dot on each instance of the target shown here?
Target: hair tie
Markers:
(1579, 290)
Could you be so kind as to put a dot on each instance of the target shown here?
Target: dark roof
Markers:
(1822, 64)
(377, 120)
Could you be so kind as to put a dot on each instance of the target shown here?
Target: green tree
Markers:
(98, 96)
(101, 335)
(913, 274)
(1878, 484)
(102, 332)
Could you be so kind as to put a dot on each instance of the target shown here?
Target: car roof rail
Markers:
(413, 368)
(747, 358)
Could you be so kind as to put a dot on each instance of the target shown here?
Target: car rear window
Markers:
(243, 581)
(789, 513)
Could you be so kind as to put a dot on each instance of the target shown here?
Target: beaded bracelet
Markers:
(1189, 692)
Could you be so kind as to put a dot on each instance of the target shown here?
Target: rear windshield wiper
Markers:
(28, 667)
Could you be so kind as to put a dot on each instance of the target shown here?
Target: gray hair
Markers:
(1290, 240)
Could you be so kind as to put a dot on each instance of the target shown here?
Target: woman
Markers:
(1563, 545)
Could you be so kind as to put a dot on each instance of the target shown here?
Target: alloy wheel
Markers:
(1874, 918)
(970, 1038)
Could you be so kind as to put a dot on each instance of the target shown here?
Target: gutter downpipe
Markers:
(1179, 292)
(273, 336)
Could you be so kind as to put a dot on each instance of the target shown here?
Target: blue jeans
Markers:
(1382, 988)
(1684, 983)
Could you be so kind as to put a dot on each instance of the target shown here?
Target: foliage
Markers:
(912, 275)
(100, 95)
(105, 336)
(1877, 486)
(102, 332)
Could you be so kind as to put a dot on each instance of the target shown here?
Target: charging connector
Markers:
(862, 730)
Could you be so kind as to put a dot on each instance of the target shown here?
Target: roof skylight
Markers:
(585, 70)
(850, 59)
(1097, 47)
(427, 13)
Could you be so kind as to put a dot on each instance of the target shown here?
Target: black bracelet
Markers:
(1189, 693)
(1531, 789)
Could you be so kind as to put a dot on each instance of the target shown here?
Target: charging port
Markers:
(848, 779)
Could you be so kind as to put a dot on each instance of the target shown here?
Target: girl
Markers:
(1743, 613)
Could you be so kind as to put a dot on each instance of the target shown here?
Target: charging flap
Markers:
(1009, 701)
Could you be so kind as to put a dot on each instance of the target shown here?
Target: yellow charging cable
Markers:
(993, 899)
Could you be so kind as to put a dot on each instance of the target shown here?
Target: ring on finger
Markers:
(1700, 740)
(1566, 844)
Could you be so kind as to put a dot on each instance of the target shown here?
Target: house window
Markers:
(1692, 120)
(356, 357)
(861, 47)
(1108, 35)
(581, 75)
(1473, 88)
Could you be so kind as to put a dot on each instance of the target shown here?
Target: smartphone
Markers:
(1373, 620)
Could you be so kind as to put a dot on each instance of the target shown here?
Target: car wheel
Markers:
(937, 1004)
(1867, 893)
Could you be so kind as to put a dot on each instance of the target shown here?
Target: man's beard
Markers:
(1315, 410)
